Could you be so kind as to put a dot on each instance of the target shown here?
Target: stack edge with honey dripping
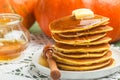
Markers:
(81, 43)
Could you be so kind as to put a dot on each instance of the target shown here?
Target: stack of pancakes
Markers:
(81, 44)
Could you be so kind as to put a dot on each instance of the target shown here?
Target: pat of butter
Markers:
(83, 13)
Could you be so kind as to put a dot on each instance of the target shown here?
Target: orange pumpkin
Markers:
(108, 8)
(22, 7)
(47, 11)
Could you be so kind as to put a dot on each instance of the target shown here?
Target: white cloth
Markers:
(22, 68)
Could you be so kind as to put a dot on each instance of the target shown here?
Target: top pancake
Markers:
(70, 24)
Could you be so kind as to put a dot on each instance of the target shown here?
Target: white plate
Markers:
(83, 74)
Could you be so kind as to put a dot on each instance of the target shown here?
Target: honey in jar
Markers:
(13, 37)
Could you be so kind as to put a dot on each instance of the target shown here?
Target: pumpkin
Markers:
(22, 7)
(47, 11)
(108, 8)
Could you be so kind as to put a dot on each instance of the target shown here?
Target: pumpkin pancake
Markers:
(81, 43)
(78, 40)
(82, 61)
(70, 24)
(96, 42)
(71, 49)
(86, 68)
(99, 29)
(81, 55)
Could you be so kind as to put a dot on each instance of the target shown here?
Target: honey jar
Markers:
(14, 37)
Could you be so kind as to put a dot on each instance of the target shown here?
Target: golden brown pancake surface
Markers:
(97, 42)
(96, 30)
(81, 55)
(82, 61)
(68, 48)
(70, 24)
(77, 40)
(88, 67)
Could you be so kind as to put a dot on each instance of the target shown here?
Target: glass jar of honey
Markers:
(13, 36)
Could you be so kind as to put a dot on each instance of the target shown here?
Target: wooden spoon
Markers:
(47, 53)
